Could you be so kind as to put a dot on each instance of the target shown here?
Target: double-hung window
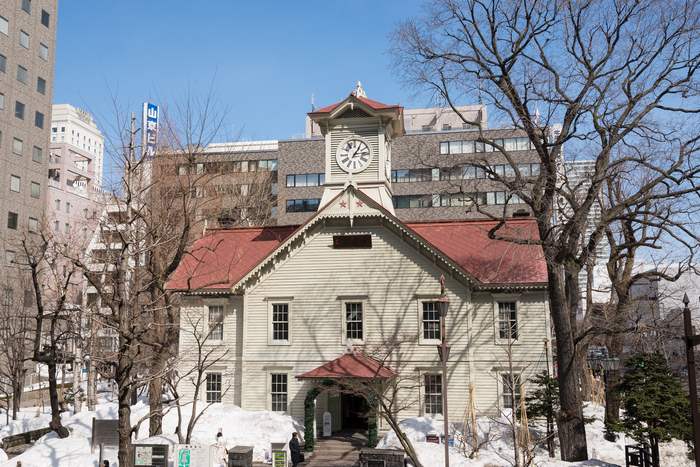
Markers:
(278, 392)
(430, 321)
(507, 320)
(280, 322)
(216, 322)
(433, 394)
(510, 390)
(353, 321)
(213, 387)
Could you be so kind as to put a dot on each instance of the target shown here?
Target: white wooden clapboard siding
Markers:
(390, 279)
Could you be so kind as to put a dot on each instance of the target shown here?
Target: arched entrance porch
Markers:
(348, 388)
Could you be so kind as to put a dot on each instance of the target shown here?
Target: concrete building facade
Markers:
(27, 44)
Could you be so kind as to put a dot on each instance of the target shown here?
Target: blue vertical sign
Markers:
(149, 127)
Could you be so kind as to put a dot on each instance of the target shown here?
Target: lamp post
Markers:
(444, 353)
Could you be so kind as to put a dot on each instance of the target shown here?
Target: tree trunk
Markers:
(55, 423)
(155, 394)
(91, 384)
(78, 379)
(17, 387)
(124, 455)
(572, 432)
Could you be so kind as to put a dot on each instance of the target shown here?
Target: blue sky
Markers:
(263, 59)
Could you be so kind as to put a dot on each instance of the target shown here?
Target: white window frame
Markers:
(270, 373)
(279, 300)
(419, 306)
(206, 391)
(424, 393)
(271, 314)
(15, 180)
(518, 376)
(501, 298)
(345, 302)
(32, 186)
(4, 26)
(209, 323)
(24, 36)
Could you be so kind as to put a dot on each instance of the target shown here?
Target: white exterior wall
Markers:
(391, 278)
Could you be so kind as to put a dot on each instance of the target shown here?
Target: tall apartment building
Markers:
(75, 174)
(27, 42)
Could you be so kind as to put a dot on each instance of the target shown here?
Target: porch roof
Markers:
(350, 365)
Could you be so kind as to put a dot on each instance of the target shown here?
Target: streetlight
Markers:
(444, 353)
(691, 340)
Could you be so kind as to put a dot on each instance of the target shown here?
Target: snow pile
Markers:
(240, 428)
(499, 449)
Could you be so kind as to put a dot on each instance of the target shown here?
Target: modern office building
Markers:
(430, 177)
(27, 41)
(75, 174)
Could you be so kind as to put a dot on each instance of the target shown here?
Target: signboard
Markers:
(279, 459)
(149, 129)
(105, 433)
(151, 455)
(192, 455)
(327, 424)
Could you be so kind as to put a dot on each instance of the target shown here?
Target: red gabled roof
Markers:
(222, 257)
(350, 365)
(375, 105)
(489, 261)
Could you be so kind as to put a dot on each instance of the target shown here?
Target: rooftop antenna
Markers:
(313, 104)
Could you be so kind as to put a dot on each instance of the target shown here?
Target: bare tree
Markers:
(193, 373)
(605, 76)
(15, 333)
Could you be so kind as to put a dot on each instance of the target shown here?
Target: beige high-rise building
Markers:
(27, 45)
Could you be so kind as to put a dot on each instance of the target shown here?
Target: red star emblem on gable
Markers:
(359, 203)
(343, 204)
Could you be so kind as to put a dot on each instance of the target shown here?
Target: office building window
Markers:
(353, 320)
(2, 101)
(56, 226)
(3, 63)
(41, 85)
(413, 201)
(66, 227)
(37, 154)
(19, 110)
(33, 225)
(301, 180)
(15, 182)
(303, 205)
(12, 220)
(43, 51)
(24, 39)
(4, 26)
(510, 387)
(280, 322)
(22, 74)
(214, 388)
(507, 320)
(278, 392)
(17, 146)
(27, 6)
(9, 257)
(38, 119)
(433, 394)
(431, 321)
(45, 18)
(35, 190)
(216, 322)
(58, 204)
(67, 207)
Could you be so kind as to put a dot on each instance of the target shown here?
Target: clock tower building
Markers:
(358, 135)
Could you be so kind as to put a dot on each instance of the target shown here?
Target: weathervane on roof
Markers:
(359, 90)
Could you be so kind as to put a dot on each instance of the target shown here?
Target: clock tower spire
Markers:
(359, 133)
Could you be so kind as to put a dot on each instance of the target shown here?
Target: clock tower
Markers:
(358, 132)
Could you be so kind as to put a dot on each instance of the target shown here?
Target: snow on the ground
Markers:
(260, 428)
(499, 450)
(240, 428)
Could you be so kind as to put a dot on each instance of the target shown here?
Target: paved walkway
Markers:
(340, 450)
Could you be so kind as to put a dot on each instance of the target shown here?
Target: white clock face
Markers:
(353, 155)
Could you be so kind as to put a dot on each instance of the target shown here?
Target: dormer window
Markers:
(346, 242)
